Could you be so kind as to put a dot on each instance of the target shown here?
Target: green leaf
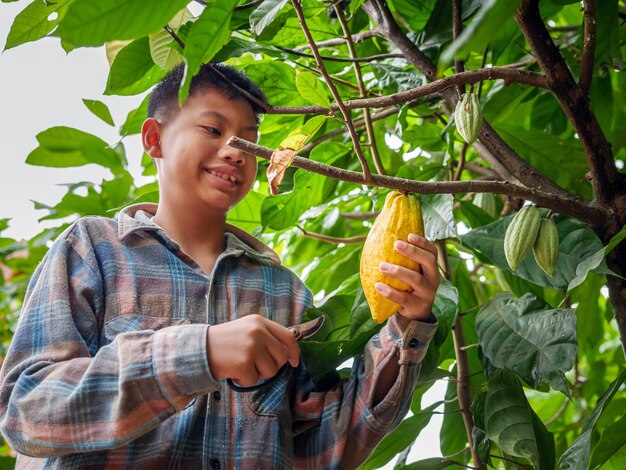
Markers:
(434, 463)
(34, 22)
(4, 224)
(527, 337)
(265, 14)
(479, 32)
(299, 136)
(612, 440)
(100, 110)
(576, 457)
(577, 243)
(133, 70)
(135, 118)
(207, 36)
(398, 440)
(247, 213)
(278, 82)
(93, 22)
(311, 89)
(162, 48)
(594, 261)
(439, 221)
(512, 424)
(68, 147)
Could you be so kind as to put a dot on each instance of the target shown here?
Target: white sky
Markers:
(40, 87)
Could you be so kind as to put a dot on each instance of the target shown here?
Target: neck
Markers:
(199, 235)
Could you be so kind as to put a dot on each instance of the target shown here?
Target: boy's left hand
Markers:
(416, 304)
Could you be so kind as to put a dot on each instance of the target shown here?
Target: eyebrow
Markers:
(219, 115)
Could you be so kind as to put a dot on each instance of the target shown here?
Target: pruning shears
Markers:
(300, 331)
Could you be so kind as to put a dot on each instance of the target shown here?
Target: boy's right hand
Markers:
(250, 349)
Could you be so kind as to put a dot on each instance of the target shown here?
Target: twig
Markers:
(252, 4)
(359, 215)
(573, 206)
(461, 164)
(589, 46)
(457, 29)
(330, 239)
(370, 33)
(558, 414)
(369, 128)
(464, 78)
(344, 111)
(470, 346)
(360, 123)
(329, 58)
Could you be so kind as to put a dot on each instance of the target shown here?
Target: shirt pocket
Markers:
(274, 400)
(137, 322)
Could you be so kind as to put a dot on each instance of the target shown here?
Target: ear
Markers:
(151, 137)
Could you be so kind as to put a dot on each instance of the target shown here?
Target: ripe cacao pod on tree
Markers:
(400, 216)
(546, 247)
(521, 234)
(468, 117)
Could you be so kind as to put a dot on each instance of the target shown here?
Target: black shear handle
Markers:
(260, 385)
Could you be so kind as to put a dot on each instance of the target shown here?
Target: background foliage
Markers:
(534, 365)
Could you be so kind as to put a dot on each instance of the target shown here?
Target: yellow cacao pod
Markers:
(400, 216)
(546, 247)
(520, 235)
(468, 117)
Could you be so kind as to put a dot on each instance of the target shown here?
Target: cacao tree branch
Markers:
(606, 180)
(492, 142)
(442, 85)
(589, 46)
(344, 111)
(572, 206)
(457, 29)
(369, 128)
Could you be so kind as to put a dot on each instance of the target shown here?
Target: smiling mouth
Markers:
(224, 176)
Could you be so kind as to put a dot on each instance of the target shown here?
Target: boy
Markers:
(131, 325)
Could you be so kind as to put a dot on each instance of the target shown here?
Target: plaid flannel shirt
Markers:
(108, 367)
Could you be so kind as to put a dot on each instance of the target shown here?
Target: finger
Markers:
(266, 366)
(426, 258)
(278, 353)
(288, 340)
(395, 295)
(417, 281)
(422, 242)
(248, 377)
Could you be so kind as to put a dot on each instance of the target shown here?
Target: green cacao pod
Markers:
(546, 247)
(468, 117)
(487, 202)
(520, 235)
(400, 216)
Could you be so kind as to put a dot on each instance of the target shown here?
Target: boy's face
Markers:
(197, 170)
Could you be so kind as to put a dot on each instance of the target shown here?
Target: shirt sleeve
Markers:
(339, 428)
(61, 393)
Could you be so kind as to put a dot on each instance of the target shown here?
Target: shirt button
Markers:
(215, 464)
(414, 343)
(217, 396)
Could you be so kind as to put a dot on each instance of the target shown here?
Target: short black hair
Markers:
(213, 75)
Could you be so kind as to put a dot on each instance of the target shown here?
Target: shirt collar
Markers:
(138, 218)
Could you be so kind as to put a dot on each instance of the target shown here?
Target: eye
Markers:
(212, 130)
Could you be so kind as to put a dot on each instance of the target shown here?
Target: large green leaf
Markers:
(162, 48)
(439, 221)
(527, 337)
(135, 118)
(265, 14)
(35, 21)
(247, 214)
(401, 438)
(133, 70)
(207, 36)
(612, 440)
(576, 457)
(577, 243)
(278, 82)
(68, 147)
(311, 89)
(480, 31)
(93, 22)
(512, 424)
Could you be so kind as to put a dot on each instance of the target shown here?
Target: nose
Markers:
(233, 156)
